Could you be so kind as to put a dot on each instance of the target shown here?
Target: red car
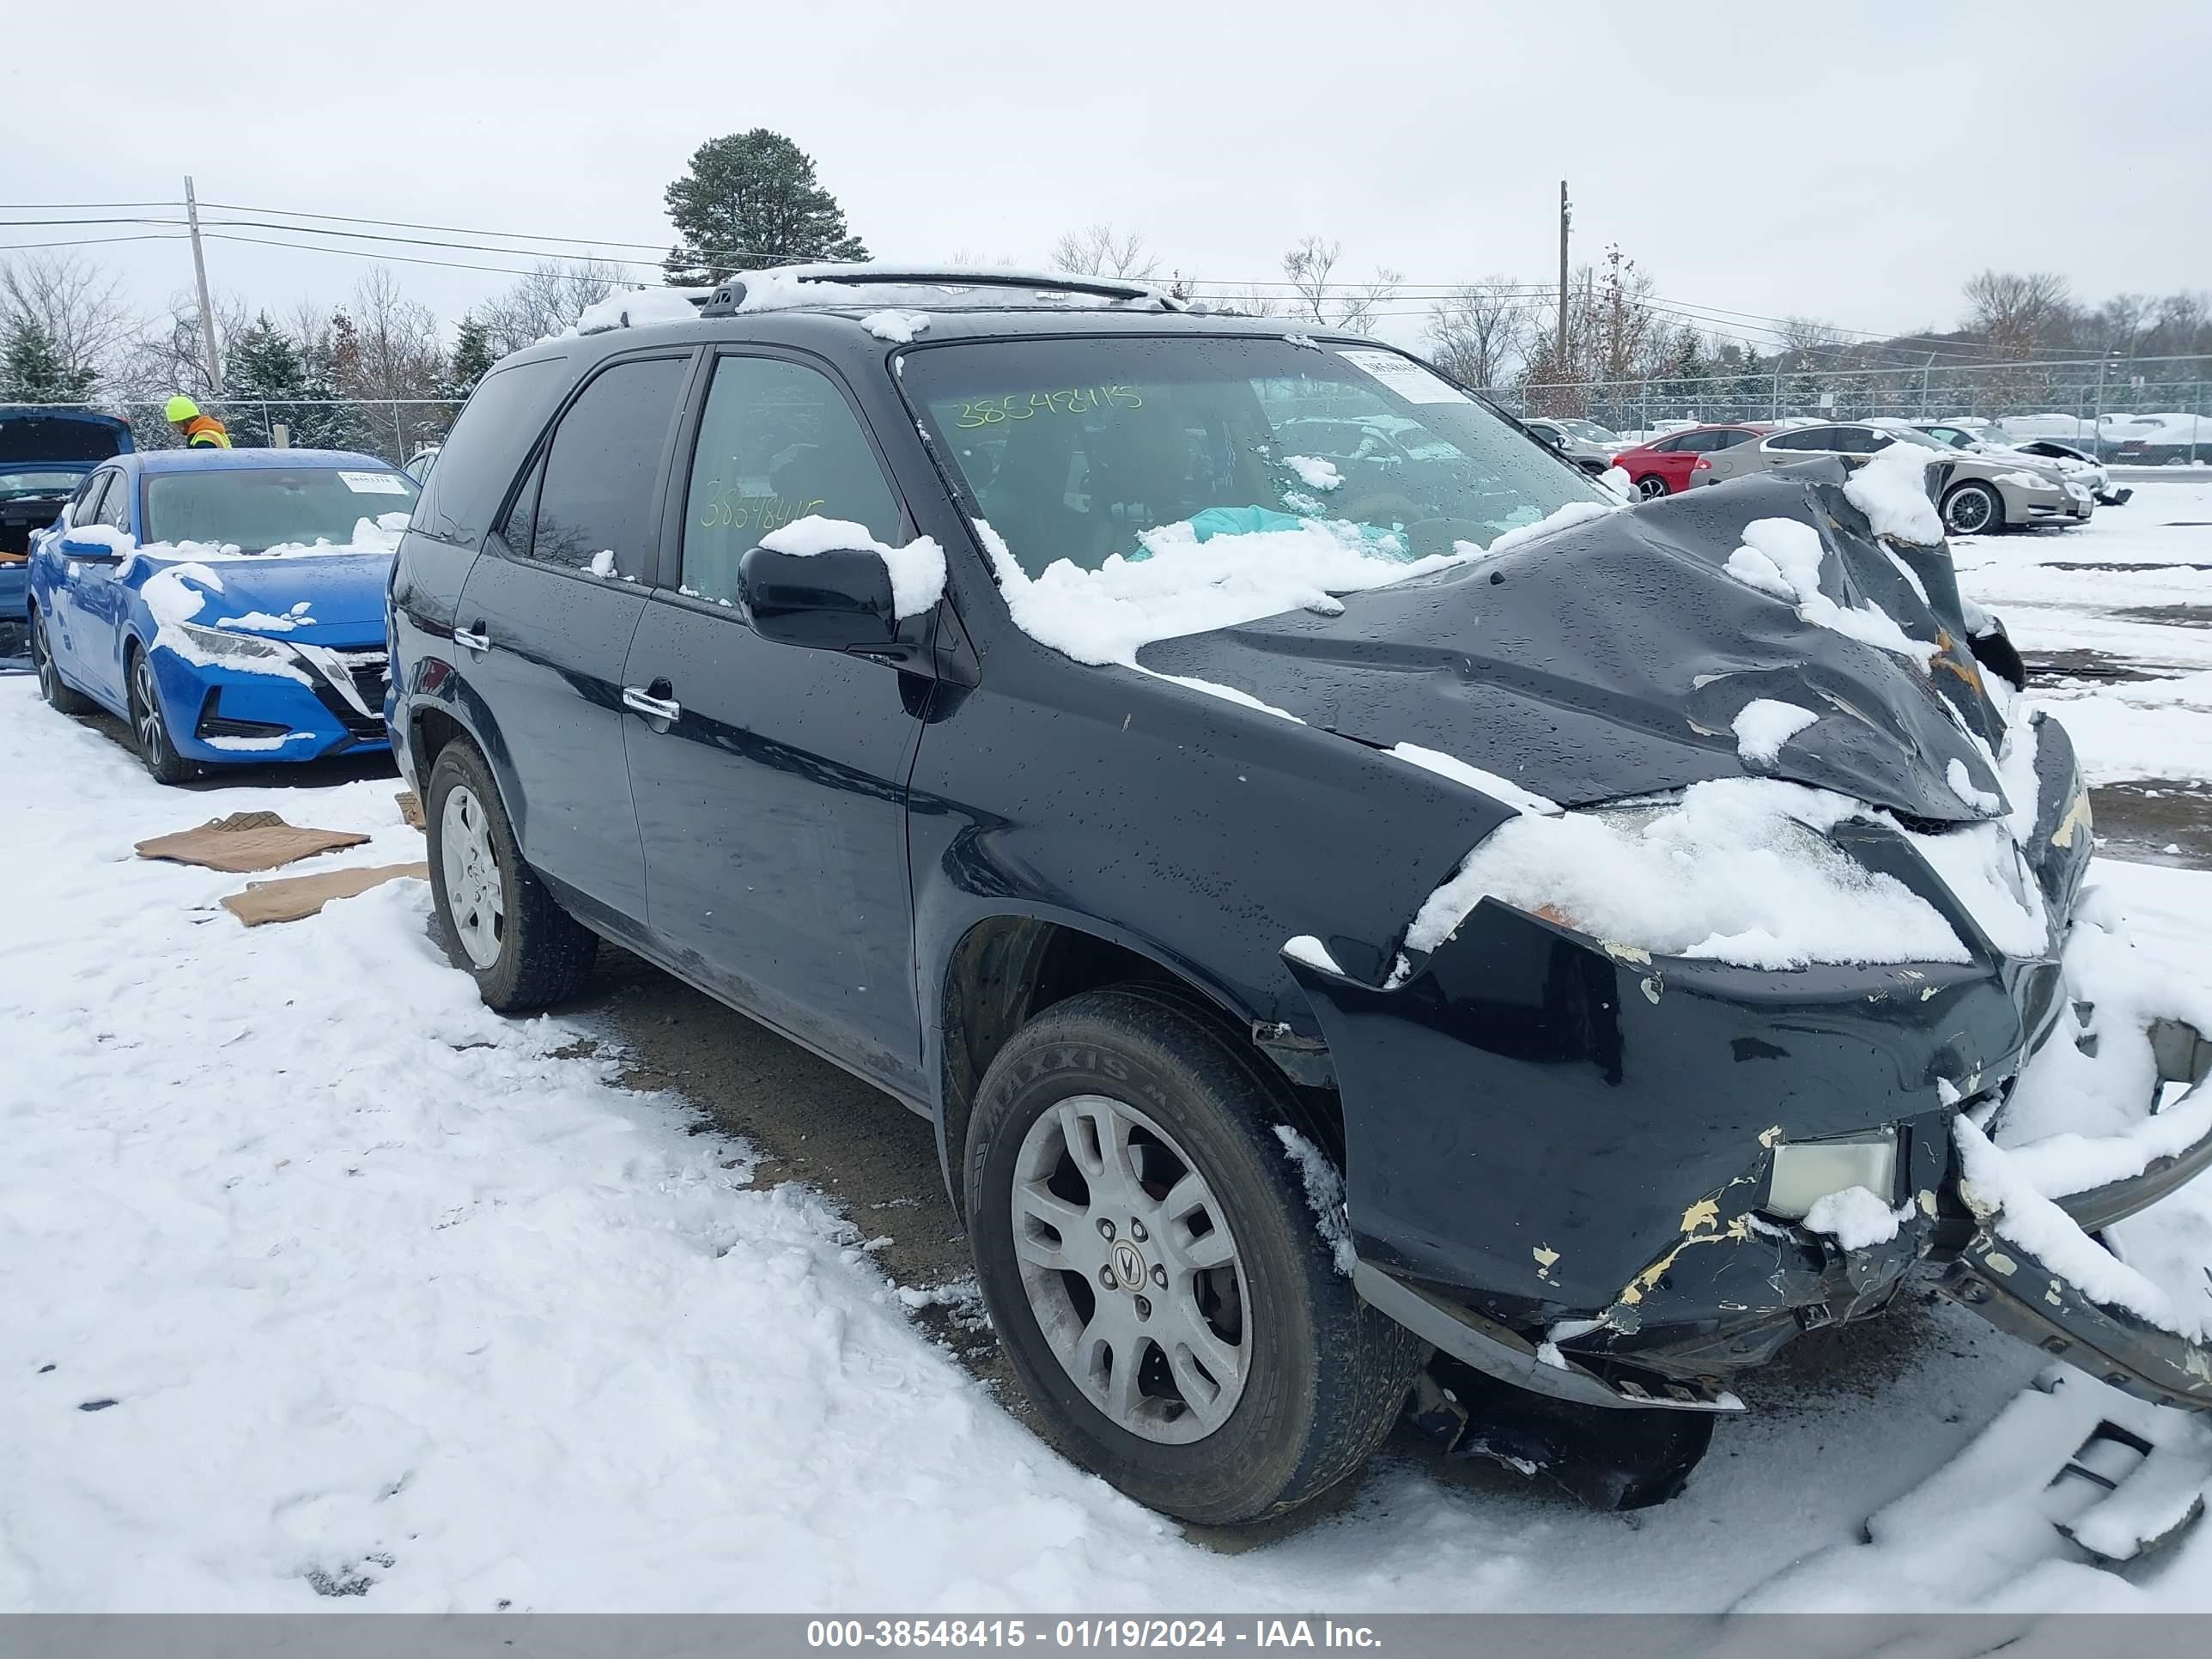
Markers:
(1663, 466)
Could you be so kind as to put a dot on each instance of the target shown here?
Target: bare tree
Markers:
(393, 342)
(2017, 312)
(1479, 331)
(551, 296)
(168, 352)
(79, 309)
(1097, 251)
(1311, 265)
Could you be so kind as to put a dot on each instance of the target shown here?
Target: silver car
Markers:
(1588, 445)
(1982, 493)
(2044, 454)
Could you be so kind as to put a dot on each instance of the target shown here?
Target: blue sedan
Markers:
(228, 603)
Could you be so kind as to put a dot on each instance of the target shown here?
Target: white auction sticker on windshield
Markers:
(1402, 375)
(375, 483)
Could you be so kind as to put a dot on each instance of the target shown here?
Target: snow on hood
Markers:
(296, 591)
(1737, 870)
(1611, 657)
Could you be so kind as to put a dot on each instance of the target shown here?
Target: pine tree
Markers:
(750, 200)
(471, 360)
(32, 371)
(267, 382)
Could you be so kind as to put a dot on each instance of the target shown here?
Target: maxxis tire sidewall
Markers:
(1301, 1312)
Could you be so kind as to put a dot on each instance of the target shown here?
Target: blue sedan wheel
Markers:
(64, 698)
(151, 729)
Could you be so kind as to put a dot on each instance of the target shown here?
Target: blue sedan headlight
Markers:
(225, 645)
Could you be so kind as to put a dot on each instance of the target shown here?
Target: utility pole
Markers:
(1566, 217)
(199, 272)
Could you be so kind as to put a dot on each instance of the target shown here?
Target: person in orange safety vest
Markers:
(198, 430)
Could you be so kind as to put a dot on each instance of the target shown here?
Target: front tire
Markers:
(1651, 487)
(1974, 508)
(1150, 1257)
(150, 727)
(496, 920)
(60, 696)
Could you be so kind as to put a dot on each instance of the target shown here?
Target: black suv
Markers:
(771, 643)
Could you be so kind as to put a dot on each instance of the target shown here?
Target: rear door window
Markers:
(777, 441)
(502, 418)
(1819, 438)
(595, 506)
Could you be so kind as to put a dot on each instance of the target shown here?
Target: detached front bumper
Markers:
(1558, 1151)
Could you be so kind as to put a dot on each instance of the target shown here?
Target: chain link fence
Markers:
(396, 429)
(2096, 395)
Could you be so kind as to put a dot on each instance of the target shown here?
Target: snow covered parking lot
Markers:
(324, 1282)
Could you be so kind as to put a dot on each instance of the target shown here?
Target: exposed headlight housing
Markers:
(238, 647)
(1806, 1171)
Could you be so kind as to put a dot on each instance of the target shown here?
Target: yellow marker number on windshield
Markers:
(1027, 406)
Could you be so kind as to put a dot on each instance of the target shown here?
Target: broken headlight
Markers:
(1806, 1171)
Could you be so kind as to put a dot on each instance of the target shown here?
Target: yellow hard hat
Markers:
(182, 409)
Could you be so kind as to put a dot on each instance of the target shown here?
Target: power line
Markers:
(369, 253)
(1522, 297)
(94, 241)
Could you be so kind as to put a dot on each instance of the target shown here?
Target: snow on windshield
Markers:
(1188, 582)
(1138, 488)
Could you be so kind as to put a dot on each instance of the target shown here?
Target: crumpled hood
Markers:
(342, 593)
(1609, 659)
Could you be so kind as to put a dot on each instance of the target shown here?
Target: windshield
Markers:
(1075, 449)
(270, 507)
(1591, 430)
(39, 481)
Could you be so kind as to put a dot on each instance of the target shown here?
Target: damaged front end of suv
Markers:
(1612, 1149)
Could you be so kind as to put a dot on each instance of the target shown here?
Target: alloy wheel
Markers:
(1131, 1270)
(1971, 511)
(42, 657)
(476, 893)
(1651, 488)
(146, 710)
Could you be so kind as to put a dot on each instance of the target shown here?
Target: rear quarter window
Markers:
(495, 429)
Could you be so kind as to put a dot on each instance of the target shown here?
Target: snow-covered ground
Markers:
(316, 1276)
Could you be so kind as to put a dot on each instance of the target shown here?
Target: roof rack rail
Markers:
(729, 295)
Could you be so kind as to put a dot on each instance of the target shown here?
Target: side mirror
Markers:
(839, 600)
(89, 552)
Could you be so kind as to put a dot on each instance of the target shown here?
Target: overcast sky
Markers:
(1855, 164)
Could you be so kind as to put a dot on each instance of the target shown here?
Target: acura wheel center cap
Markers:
(1128, 1265)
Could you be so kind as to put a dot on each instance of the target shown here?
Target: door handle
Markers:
(476, 639)
(640, 699)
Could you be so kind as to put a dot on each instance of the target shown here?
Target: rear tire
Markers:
(149, 724)
(496, 920)
(1974, 508)
(60, 696)
(1651, 487)
(1306, 1377)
